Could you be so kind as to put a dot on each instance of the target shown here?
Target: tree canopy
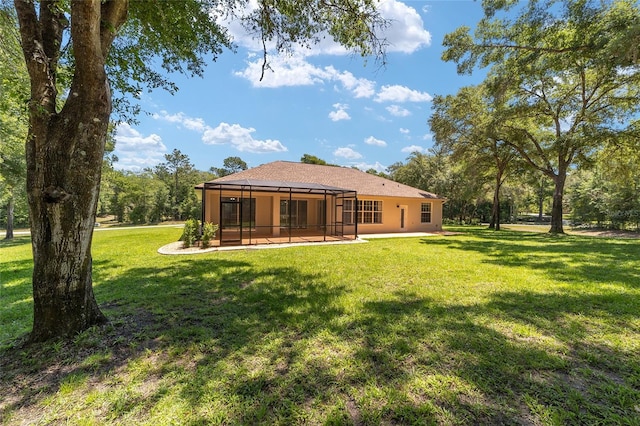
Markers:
(570, 81)
(96, 46)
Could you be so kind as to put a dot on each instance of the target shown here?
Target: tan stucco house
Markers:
(282, 201)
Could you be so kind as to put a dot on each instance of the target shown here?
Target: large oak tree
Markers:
(569, 71)
(468, 126)
(108, 45)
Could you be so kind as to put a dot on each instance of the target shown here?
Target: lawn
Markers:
(473, 328)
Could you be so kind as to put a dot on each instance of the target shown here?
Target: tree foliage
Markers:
(14, 93)
(608, 194)
(230, 165)
(94, 46)
(467, 125)
(569, 79)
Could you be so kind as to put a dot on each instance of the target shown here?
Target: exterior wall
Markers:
(268, 212)
(391, 216)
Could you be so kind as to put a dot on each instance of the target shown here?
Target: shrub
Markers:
(208, 233)
(189, 233)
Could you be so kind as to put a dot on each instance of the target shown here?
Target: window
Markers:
(238, 212)
(425, 213)
(296, 210)
(369, 211)
(348, 212)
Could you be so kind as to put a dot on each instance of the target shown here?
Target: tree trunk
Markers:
(541, 200)
(10, 213)
(63, 161)
(64, 157)
(556, 210)
(495, 208)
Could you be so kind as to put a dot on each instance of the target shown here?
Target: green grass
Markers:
(475, 328)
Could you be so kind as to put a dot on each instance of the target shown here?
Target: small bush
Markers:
(208, 233)
(189, 233)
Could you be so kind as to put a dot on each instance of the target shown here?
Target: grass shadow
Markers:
(483, 373)
(571, 259)
(215, 310)
(277, 337)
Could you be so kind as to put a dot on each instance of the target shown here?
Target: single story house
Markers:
(287, 201)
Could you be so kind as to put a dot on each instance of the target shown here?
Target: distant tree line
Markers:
(605, 193)
(160, 193)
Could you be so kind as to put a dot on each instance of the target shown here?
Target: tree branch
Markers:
(114, 14)
(534, 48)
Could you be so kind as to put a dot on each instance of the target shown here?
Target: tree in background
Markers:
(312, 159)
(609, 192)
(14, 93)
(65, 143)
(230, 165)
(468, 127)
(565, 72)
(178, 173)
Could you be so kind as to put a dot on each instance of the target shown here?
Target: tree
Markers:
(65, 143)
(466, 125)
(609, 192)
(560, 69)
(312, 159)
(14, 91)
(230, 165)
(178, 174)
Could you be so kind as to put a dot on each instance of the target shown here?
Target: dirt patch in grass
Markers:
(29, 373)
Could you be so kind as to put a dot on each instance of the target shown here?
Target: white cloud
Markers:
(406, 33)
(359, 87)
(397, 93)
(398, 111)
(340, 113)
(375, 142)
(365, 166)
(412, 148)
(348, 153)
(428, 137)
(240, 138)
(135, 151)
(195, 124)
(283, 71)
(289, 71)
(404, 131)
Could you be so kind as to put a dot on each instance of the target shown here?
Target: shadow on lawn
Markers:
(566, 258)
(248, 344)
(497, 378)
(217, 310)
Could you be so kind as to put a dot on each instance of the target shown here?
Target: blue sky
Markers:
(326, 102)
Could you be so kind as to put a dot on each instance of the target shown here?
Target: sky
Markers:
(325, 101)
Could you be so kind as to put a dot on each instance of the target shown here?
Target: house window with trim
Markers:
(425, 213)
(369, 211)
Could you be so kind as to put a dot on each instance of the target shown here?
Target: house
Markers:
(287, 201)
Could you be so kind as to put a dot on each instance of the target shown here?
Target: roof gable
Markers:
(364, 184)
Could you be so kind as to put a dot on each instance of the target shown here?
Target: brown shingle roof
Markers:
(340, 177)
